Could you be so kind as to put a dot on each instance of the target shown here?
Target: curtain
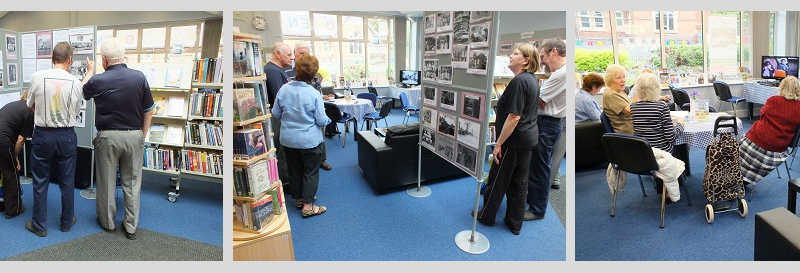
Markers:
(759, 23)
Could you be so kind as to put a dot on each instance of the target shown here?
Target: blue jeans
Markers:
(539, 173)
(53, 147)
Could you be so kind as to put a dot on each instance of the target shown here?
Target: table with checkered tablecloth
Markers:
(357, 108)
(698, 134)
(414, 94)
(757, 93)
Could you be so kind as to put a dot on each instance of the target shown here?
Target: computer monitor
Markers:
(410, 77)
(772, 65)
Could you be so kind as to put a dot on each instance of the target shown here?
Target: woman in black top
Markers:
(16, 124)
(516, 116)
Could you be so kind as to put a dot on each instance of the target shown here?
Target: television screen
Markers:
(410, 77)
(772, 65)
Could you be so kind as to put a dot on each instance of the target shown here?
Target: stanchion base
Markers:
(88, 194)
(478, 246)
(420, 192)
(25, 180)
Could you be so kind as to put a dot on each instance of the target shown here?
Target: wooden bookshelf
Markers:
(254, 199)
(253, 120)
(276, 222)
(179, 145)
(202, 174)
(205, 118)
(170, 117)
(213, 85)
(188, 145)
(263, 77)
(251, 161)
(161, 171)
(183, 90)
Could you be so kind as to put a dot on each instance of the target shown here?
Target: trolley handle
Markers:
(717, 124)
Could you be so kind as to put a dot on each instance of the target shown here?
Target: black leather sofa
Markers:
(777, 236)
(588, 149)
(392, 163)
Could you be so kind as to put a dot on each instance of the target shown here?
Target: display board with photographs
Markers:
(456, 81)
(9, 62)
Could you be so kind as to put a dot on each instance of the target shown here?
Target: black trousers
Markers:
(11, 190)
(510, 179)
(303, 166)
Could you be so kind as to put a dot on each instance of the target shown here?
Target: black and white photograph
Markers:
(78, 68)
(479, 35)
(429, 96)
(430, 66)
(11, 69)
(478, 16)
(447, 99)
(430, 23)
(467, 158)
(444, 21)
(506, 47)
(461, 27)
(468, 132)
(79, 120)
(445, 74)
(82, 43)
(458, 59)
(429, 138)
(446, 147)
(44, 44)
(447, 124)
(472, 107)
(1, 80)
(430, 45)
(443, 42)
(478, 61)
(429, 116)
(11, 47)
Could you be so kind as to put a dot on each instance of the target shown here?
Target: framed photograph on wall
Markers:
(468, 132)
(429, 96)
(461, 27)
(429, 117)
(467, 158)
(448, 99)
(443, 43)
(447, 124)
(1, 80)
(444, 21)
(430, 23)
(430, 45)
(12, 73)
(479, 35)
(11, 47)
(478, 61)
(44, 44)
(445, 74)
(430, 69)
(429, 138)
(472, 106)
(446, 147)
(477, 16)
(458, 59)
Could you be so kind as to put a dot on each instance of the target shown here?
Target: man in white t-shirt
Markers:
(55, 98)
(552, 110)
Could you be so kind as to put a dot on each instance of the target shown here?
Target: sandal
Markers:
(311, 212)
(299, 203)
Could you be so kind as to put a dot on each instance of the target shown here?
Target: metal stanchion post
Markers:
(471, 241)
(419, 191)
(25, 179)
(90, 192)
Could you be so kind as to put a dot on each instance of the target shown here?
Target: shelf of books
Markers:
(261, 228)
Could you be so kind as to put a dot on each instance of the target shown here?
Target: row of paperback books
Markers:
(492, 135)
(248, 143)
(208, 70)
(202, 162)
(165, 159)
(255, 215)
(206, 103)
(204, 133)
(246, 59)
(253, 180)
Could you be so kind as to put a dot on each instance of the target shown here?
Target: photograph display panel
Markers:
(429, 96)
(429, 117)
(447, 124)
(444, 21)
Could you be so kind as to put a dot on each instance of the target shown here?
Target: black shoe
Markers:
(130, 236)
(530, 216)
(514, 231)
(66, 229)
(40, 233)
(555, 186)
(9, 216)
(104, 228)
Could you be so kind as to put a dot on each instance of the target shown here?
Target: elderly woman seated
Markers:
(765, 146)
(651, 118)
(586, 108)
(617, 104)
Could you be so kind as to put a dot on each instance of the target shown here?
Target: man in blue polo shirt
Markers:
(124, 108)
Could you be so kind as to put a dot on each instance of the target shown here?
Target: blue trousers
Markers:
(539, 173)
(53, 148)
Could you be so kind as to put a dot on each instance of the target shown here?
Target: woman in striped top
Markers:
(651, 118)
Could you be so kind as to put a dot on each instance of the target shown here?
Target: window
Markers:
(723, 42)
(295, 23)
(152, 43)
(598, 19)
(584, 15)
(772, 33)
(619, 18)
(638, 47)
(683, 48)
(325, 26)
(356, 48)
(593, 49)
(668, 20)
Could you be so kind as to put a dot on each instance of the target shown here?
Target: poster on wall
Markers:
(468, 132)
(78, 68)
(82, 43)
(445, 74)
(430, 45)
(44, 44)
(43, 64)
(429, 96)
(430, 23)
(429, 117)
(444, 21)
(443, 42)
(467, 158)
(28, 45)
(11, 70)
(477, 16)
(429, 138)
(431, 67)
(461, 27)
(472, 106)
(448, 99)
(11, 47)
(445, 147)
(447, 125)
(61, 36)
(478, 60)
(458, 59)
(28, 68)
(479, 35)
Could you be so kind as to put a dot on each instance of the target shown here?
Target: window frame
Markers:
(194, 50)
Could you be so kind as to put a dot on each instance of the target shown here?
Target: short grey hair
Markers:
(112, 49)
(300, 45)
(647, 87)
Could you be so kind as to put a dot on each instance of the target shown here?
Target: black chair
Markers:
(336, 116)
(606, 122)
(373, 90)
(723, 92)
(681, 98)
(375, 117)
(633, 154)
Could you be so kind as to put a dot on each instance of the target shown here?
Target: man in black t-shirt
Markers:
(275, 71)
(16, 124)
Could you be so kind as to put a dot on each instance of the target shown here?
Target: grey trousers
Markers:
(123, 149)
(558, 155)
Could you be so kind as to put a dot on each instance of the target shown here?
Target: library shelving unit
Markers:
(273, 241)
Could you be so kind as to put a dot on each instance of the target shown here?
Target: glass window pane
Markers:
(152, 58)
(639, 46)
(772, 33)
(599, 18)
(352, 27)
(746, 40)
(379, 64)
(131, 58)
(185, 36)
(378, 29)
(327, 52)
(619, 18)
(154, 37)
(293, 44)
(295, 23)
(130, 38)
(325, 26)
(103, 34)
(723, 43)
(353, 59)
(593, 49)
(584, 15)
(683, 46)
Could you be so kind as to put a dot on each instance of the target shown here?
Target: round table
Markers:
(700, 134)
(357, 108)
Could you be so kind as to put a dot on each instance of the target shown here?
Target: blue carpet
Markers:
(361, 225)
(634, 233)
(197, 215)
